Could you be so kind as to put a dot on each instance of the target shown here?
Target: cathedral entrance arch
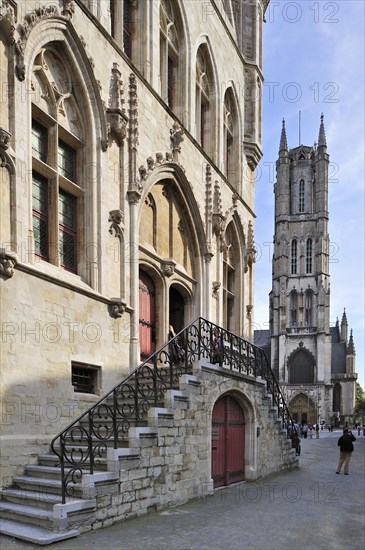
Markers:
(228, 442)
(303, 409)
(147, 315)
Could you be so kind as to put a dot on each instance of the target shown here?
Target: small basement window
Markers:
(85, 378)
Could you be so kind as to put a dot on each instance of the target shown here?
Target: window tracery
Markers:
(57, 133)
(204, 100)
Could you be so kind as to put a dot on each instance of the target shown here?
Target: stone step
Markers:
(53, 461)
(48, 472)
(108, 422)
(36, 535)
(26, 514)
(48, 459)
(40, 499)
(38, 484)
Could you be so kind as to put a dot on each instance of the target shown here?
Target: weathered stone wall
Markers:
(171, 463)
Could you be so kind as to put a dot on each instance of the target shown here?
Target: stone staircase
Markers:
(160, 458)
(32, 509)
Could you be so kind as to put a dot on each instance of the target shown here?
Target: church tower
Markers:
(300, 296)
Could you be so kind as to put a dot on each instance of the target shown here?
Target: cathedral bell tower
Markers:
(300, 296)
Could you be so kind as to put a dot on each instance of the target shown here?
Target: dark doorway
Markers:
(176, 310)
(147, 315)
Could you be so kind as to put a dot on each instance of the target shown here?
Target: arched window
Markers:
(309, 256)
(204, 108)
(57, 158)
(230, 138)
(230, 278)
(301, 368)
(294, 252)
(308, 308)
(170, 50)
(293, 307)
(301, 196)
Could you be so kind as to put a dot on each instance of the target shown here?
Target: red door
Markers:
(228, 442)
(147, 324)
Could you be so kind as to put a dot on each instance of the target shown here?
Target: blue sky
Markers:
(314, 63)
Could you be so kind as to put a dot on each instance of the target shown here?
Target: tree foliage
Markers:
(359, 404)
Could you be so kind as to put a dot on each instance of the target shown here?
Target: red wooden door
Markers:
(147, 323)
(228, 442)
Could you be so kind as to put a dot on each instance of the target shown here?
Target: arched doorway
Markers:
(147, 315)
(303, 409)
(228, 442)
(176, 310)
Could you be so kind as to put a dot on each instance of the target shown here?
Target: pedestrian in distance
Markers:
(346, 449)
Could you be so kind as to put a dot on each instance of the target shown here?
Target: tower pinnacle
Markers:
(351, 345)
(283, 142)
(322, 134)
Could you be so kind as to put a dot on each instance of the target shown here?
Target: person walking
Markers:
(346, 449)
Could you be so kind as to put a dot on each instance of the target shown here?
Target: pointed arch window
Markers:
(301, 368)
(294, 256)
(204, 102)
(301, 196)
(230, 137)
(230, 278)
(57, 150)
(293, 308)
(309, 256)
(169, 54)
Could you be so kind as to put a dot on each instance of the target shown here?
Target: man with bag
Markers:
(346, 448)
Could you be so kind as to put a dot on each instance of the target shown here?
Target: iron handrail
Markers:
(82, 445)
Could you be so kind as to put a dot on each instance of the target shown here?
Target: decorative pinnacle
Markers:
(351, 345)
(322, 134)
(344, 318)
(283, 142)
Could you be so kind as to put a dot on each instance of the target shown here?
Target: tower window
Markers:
(293, 307)
(308, 306)
(294, 248)
(301, 196)
(309, 256)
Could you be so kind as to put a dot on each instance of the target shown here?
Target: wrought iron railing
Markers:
(82, 446)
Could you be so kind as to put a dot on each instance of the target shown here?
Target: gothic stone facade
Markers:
(313, 362)
(129, 135)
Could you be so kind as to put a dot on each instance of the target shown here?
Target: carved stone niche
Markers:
(117, 307)
(168, 267)
(7, 263)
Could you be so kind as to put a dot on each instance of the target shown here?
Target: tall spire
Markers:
(283, 141)
(322, 134)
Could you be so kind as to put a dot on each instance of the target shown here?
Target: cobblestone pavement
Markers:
(310, 508)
